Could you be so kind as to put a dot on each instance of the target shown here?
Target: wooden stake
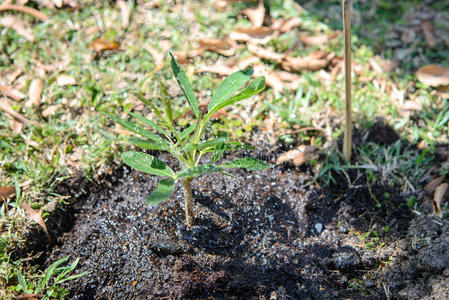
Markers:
(188, 201)
(347, 143)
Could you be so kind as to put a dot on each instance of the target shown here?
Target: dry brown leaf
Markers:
(124, 10)
(218, 68)
(432, 185)
(257, 35)
(286, 76)
(24, 9)
(271, 78)
(11, 77)
(4, 105)
(6, 191)
(433, 75)
(375, 66)
(256, 14)
(429, 33)
(314, 40)
(412, 105)
(11, 93)
(101, 44)
(36, 216)
(216, 45)
(18, 25)
(313, 62)
(17, 127)
(64, 80)
(264, 53)
(289, 24)
(29, 297)
(35, 92)
(298, 156)
(246, 62)
(183, 57)
(438, 197)
(51, 110)
(120, 130)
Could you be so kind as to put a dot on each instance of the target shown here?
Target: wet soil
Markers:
(269, 234)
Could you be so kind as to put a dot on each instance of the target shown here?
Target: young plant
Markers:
(188, 146)
(347, 142)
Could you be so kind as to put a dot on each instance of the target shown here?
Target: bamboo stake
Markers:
(347, 143)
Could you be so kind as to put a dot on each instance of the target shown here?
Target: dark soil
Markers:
(260, 235)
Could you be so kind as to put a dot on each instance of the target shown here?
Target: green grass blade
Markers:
(147, 163)
(163, 191)
(166, 101)
(147, 145)
(51, 269)
(228, 87)
(255, 86)
(198, 171)
(67, 270)
(246, 163)
(22, 282)
(185, 86)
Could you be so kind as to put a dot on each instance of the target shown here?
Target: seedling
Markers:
(188, 146)
(347, 142)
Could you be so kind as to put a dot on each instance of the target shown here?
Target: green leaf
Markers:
(147, 145)
(246, 163)
(166, 101)
(218, 153)
(186, 132)
(50, 270)
(228, 87)
(149, 123)
(185, 86)
(163, 191)
(203, 145)
(149, 104)
(197, 171)
(147, 163)
(253, 88)
(67, 270)
(139, 130)
(73, 277)
(22, 282)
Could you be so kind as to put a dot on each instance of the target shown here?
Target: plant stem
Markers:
(188, 201)
(348, 117)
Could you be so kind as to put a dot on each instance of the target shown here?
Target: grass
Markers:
(74, 136)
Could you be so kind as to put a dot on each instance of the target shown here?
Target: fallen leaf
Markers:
(256, 14)
(271, 78)
(35, 92)
(121, 131)
(246, 62)
(375, 66)
(6, 191)
(264, 53)
(29, 297)
(18, 25)
(412, 105)
(101, 44)
(51, 206)
(11, 93)
(257, 35)
(429, 33)
(438, 197)
(313, 62)
(24, 9)
(216, 45)
(314, 40)
(298, 156)
(286, 76)
(51, 110)
(124, 10)
(433, 75)
(17, 127)
(390, 64)
(11, 77)
(289, 24)
(64, 80)
(4, 105)
(432, 185)
(218, 68)
(183, 57)
(36, 216)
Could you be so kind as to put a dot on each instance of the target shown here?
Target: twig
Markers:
(24, 9)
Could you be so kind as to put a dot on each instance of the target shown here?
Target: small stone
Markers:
(318, 227)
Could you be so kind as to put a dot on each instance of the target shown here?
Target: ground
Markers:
(324, 228)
